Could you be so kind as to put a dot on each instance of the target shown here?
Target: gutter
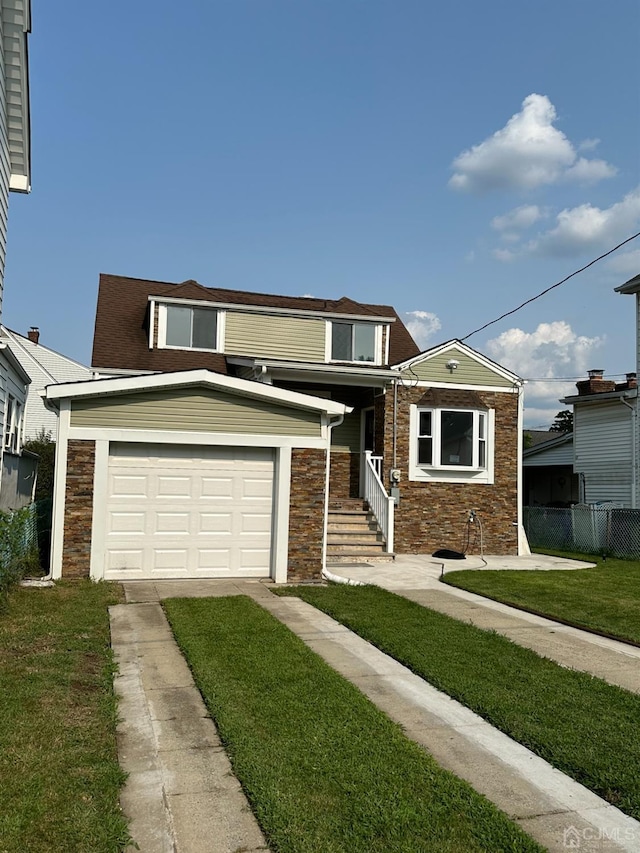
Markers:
(330, 426)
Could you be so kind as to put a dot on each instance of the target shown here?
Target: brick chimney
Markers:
(34, 334)
(629, 383)
(595, 384)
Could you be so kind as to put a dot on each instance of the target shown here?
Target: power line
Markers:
(571, 378)
(557, 284)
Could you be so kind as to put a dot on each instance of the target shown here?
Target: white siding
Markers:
(561, 455)
(4, 161)
(603, 452)
(45, 367)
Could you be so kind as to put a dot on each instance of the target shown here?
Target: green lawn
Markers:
(605, 598)
(581, 725)
(59, 776)
(324, 770)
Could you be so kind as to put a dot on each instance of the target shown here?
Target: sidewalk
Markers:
(556, 811)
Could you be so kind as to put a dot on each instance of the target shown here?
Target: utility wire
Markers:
(557, 284)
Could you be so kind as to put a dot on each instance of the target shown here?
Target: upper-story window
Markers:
(186, 327)
(12, 425)
(353, 341)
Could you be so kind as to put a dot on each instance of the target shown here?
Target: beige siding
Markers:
(346, 437)
(194, 411)
(468, 372)
(275, 337)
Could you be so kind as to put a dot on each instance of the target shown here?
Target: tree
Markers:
(563, 422)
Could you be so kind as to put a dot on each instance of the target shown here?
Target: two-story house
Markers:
(15, 171)
(237, 434)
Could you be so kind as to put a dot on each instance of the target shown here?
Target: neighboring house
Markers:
(233, 433)
(549, 479)
(604, 443)
(17, 468)
(44, 366)
(15, 24)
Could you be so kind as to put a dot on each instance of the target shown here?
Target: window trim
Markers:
(377, 342)
(451, 473)
(12, 426)
(162, 327)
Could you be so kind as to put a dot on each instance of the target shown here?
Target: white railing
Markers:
(375, 494)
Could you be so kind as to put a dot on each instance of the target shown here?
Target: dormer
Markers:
(348, 337)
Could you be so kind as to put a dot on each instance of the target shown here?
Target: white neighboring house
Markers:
(604, 439)
(15, 174)
(17, 468)
(45, 367)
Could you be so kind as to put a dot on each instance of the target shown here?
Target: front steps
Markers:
(353, 535)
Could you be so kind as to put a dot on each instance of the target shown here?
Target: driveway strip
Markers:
(554, 809)
(181, 795)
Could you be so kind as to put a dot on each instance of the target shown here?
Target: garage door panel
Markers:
(171, 513)
(216, 487)
(126, 486)
(127, 522)
(172, 523)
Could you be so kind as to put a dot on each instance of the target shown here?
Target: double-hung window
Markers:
(451, 444)
(353, 341)
(188, 327)
(12, 424)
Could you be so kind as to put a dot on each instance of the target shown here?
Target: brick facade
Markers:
(345, 475)
(435, 515)
(78, 512)
(306, 514)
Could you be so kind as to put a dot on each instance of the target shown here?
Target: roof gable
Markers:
(456, 363)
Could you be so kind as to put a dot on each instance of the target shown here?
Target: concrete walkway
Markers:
(555, 810)
(418, 578)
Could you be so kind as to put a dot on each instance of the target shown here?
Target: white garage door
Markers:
(188, 512)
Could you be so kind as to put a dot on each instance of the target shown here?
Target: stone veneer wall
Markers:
(435, 515)
(78, 510)
(306, 514)
(345, 475)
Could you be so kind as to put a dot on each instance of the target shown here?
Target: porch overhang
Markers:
(265, 370)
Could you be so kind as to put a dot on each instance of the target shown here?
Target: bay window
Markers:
(451, 444)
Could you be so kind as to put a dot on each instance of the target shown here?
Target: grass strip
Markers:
(324, 770)
(605, 599)
(59, 776)
(578, 723)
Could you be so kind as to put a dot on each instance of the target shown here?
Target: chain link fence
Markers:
(25, 536)
(607, 530)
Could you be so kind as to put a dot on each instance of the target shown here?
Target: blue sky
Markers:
(450, 159)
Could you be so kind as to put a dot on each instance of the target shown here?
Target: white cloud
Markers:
(588, 144)
(518, 219)
(589, 171)
(626, 263)
(549, 353)
(504, 255)
(421, 326)
(588, 227)
(527, 152)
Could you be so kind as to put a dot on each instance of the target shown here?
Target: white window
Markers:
(12, 425)
(453, 445)
(188, 327)
(354, 341)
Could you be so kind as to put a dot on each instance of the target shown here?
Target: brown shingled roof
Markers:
(121, 337)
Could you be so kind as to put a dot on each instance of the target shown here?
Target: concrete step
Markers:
(354, 525)
(343, 548)
(355, 537)
(338, 560)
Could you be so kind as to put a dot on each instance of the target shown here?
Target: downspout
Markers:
(331, 425)
(523, 543)
(634, 417)
(395, 423)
